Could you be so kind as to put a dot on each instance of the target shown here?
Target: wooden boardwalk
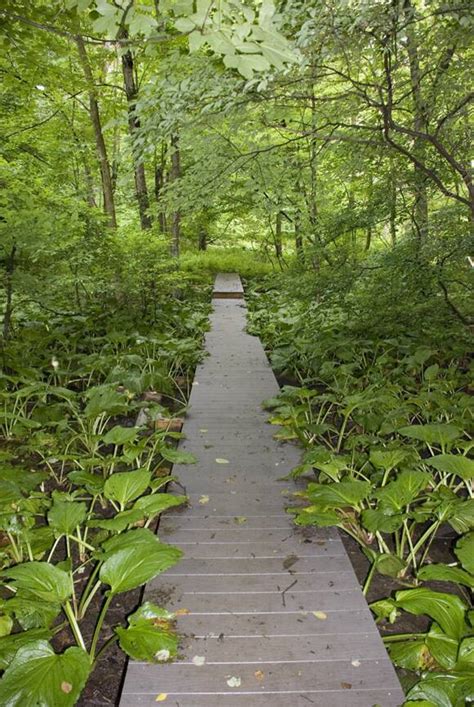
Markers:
(251, 580)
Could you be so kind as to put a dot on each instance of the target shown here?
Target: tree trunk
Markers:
(159, 173)
(131, 91)
(176, 216)
(109, 205)
(202, 243)
(419, 125)
(278, 241)
(298, 238)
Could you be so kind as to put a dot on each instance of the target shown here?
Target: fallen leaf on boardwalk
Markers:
(199, 660)
(203, 430)
(161, 697)
(346, 685)
(320, 615)
(162, 655)
(203, 500)
(355, 663)
(222, 461)
(240, 520)
(182, 612)
(290, 561)
(234, 682)
(259, 674)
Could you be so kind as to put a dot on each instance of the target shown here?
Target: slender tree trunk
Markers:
(278, 240)
(202, 243)
(7, 316)
(107, 189)
(131, 91)
(419, 125)
(175, 174)
(159, 173)
(393, 205)
(298, 238)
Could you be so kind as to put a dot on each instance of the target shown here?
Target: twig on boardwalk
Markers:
(285, 590)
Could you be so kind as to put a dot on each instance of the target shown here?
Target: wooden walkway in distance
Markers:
(250, 579)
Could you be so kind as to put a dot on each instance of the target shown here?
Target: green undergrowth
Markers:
(87, 438)
(379, 396)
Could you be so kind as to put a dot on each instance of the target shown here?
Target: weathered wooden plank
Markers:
(334, 580)
(373, 697)
(251, 580)
(291, 601)
(325, 675)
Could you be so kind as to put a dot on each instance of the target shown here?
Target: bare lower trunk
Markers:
(131, 92)
(278, 241)
(107, 189)
(176, 216)
(298, 239)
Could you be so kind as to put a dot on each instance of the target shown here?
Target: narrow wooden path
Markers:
(250, 580)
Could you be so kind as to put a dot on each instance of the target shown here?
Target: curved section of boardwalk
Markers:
(250, 580)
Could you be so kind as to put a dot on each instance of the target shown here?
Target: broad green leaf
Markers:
(30, 611)
(104, 399)
(339, 494)
(38, 677)
(466, 653)
(398, 494)
(451, 690)
(92, 482)
(377, 520)
(462, 516)
(161, 481)
(411, 655)
(453, 464)
(448, 610)
(313, 515)
(444, 573)
(442, 647)
(437, 433)
(390, 565)
(6, 625)
(65, 516)
(9, 645)
(42, 579)
(385, 609)
(120, 435)
(177, 456)
(388, 459)
(138, 537)
(119, 522)
(133, 566)
(465, 551)
(157, 503)
(150, 634)
(126, 486)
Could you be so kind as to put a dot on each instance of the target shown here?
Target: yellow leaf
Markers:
(320, 615)
(161, 697)
(240, 520)
(259, 674)
(222, 461)
(203, 500)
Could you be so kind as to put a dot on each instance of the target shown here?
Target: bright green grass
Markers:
(246, 263)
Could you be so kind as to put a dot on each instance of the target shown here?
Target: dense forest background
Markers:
(323, 151)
